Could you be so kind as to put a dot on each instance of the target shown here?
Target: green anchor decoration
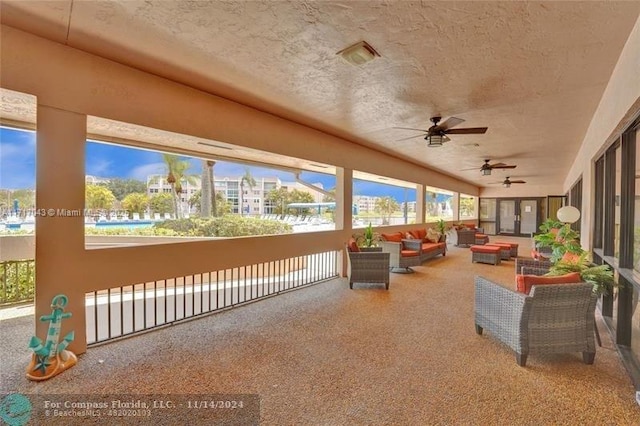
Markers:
(52, 357)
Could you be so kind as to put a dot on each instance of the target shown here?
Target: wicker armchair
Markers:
(466, 237)
(404, 254)
(552, 319)
(367, 267)
(540, 267)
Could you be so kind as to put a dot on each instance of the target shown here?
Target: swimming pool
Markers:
(128, 225)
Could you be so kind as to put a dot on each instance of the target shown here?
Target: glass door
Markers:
(518, 216)
(508, 217)
(528, 216)
(488, 215)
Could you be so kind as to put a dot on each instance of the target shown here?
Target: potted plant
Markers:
(563, 240)
(441, 226)
(559, 238)
(368, 241)
(600, 276)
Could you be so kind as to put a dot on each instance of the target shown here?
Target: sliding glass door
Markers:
(508, 218)
(518, 216)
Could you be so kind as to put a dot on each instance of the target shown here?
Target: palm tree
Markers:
(205, 193)
(250, 181)
(176, 173)
(386, 206)
(214, 209)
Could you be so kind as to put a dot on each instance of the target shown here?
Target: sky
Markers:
(18, 161)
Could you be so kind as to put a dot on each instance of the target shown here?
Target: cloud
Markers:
(98, 167)
(225, 168)
(145, 170)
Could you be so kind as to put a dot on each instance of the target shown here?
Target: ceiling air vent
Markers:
(359, 53)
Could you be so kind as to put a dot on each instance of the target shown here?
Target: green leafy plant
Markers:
(368, 238)
(17, 281)
(441, 226)
(563, 240)
(550, 224)
(600, 276)
(225, 226)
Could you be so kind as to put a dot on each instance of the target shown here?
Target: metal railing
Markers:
(126, 310)
(17, 281)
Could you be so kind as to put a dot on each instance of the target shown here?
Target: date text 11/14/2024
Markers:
(199, 404)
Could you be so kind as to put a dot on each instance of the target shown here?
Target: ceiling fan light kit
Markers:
(436, 135)
(507, 182)
(434, 141)
(486, 168)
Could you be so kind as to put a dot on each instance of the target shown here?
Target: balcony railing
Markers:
(123, 311)
(17, 281)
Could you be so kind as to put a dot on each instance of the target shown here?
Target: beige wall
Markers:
(20, 247)
(619, 103)
(70, 84)
(17, 247)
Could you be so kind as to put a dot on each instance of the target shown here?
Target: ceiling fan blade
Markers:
(466, 170)
(410, 137)
(467, 131)
(410, 128)
(504, 166)
(450, 122)
(518, 181)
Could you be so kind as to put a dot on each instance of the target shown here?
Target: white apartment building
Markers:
(95, 180)
(365, 203)
(254, 199)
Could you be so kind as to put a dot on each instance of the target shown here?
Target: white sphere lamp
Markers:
(568, 214)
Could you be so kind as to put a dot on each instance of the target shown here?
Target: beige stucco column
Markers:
(455, 206)
(344, 206)
(420, 203)
(344, 199)
(60, 224)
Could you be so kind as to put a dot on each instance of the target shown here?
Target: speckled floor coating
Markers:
(327, 355)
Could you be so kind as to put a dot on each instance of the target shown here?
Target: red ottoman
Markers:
(486, 254)
(505, 250)
(514, 248)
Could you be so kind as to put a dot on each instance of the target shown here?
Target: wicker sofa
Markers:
(551, 319)
(418, 241)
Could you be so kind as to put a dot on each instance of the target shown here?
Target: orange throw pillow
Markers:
(353, 246)
(570, 257)
(394, 238)
(525, 282)
(418, 234)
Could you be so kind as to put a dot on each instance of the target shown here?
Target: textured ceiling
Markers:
(532, 72)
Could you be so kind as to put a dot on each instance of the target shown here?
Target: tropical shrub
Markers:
(17, 281)
(225, 226)
(142, 232)
(600, 276)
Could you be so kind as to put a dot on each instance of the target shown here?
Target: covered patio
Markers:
(554, 85)
(330, 355)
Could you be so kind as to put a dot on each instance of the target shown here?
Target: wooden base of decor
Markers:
(43, 368)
